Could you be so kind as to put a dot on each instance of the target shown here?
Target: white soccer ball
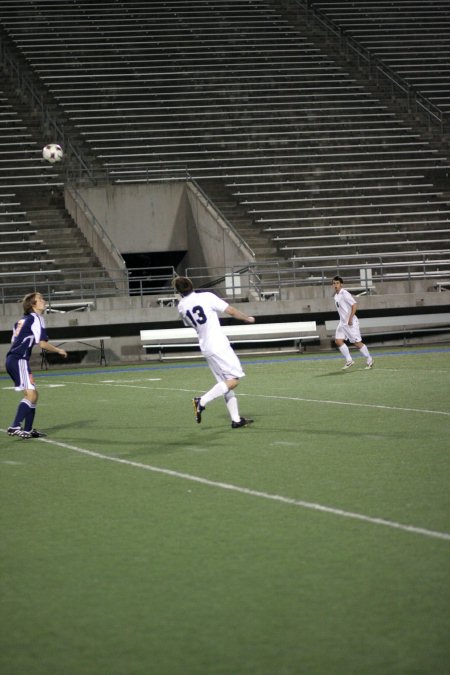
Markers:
(52, 153)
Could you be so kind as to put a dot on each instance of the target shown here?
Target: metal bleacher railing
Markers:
(268, 280)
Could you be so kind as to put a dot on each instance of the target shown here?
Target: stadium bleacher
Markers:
(410, 39)
(234, 92)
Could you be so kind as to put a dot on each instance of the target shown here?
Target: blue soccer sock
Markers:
(29, 417)
(25, 411)
(22, 410)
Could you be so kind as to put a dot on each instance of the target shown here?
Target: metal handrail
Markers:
(97, 227)
(245, 281)
(218, 215)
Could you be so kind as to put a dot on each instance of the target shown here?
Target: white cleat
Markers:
(369, 364)
(349, 364)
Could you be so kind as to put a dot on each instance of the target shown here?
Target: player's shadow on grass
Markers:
(337, 373)
(61, 427)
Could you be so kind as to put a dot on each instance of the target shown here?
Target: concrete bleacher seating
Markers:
(231, 91)
(408, 39)
(20, 248)
(21, 163)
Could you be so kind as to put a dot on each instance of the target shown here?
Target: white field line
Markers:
(359, 405)
(253, 493)
(377, 406)
(256, 493)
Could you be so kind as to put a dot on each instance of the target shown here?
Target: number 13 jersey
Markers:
(200, 311)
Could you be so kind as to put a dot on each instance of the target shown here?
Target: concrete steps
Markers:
(222, 198)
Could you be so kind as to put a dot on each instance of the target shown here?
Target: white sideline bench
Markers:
(168, 301)
(442, 286)
(66, 307)
(404, 326)
(298, 332)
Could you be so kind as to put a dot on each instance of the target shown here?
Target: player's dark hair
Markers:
(28, 302)
(340, 279)
(183, 285)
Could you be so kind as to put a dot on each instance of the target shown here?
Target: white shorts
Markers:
(225, 366)
(351, 333)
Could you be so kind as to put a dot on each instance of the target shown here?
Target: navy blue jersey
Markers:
(28, 331)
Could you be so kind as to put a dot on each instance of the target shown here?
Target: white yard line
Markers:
(252, 493)
(377, 406)
(247, 491)
(359, 405)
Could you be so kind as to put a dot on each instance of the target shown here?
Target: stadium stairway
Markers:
(223, 199)
(40, 244)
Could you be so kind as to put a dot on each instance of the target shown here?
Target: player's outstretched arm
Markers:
(240, 316)
(51, 348)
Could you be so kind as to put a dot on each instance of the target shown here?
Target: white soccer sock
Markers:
(232, 405)
(219, 389)
(345, 351)
(365, 352)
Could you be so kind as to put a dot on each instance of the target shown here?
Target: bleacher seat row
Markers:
(230, 91)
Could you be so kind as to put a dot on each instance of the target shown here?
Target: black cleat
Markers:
(13, 431)
(243, 422)
(37, 434)
(198, 409)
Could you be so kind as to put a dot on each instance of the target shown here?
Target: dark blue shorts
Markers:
(20, 373)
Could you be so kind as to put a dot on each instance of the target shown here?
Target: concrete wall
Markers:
(142, 217)
(134, 312)
(217, 245)
(146, 218)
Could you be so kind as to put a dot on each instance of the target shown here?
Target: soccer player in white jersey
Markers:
(199, 310)
(28, 331)
(348, 326)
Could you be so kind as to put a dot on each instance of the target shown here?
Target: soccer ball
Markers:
(52, 153)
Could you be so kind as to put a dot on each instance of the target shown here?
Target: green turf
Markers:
(108, 568)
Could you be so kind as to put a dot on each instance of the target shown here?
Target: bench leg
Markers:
(44, 360)
(102, 353)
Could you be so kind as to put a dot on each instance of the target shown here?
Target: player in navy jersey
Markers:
(348, 326)
(28, 331)
(199, 310)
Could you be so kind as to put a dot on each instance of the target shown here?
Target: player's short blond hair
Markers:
(29, 301)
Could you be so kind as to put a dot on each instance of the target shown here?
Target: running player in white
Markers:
(200, 310)
(348, 326)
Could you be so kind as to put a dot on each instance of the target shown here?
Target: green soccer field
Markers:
(315, 542)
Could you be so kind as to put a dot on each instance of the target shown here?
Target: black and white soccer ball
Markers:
(52, 152)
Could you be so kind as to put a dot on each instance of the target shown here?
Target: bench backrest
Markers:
(397, 321)
(248, 331)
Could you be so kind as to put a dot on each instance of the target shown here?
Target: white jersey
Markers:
(200, 311)
(344, 302)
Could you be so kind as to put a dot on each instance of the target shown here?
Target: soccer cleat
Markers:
(243, 422)
(369, 364)
(37, 434)
(23, 434)
(13, 431)
(198, 409)
(349, 364)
